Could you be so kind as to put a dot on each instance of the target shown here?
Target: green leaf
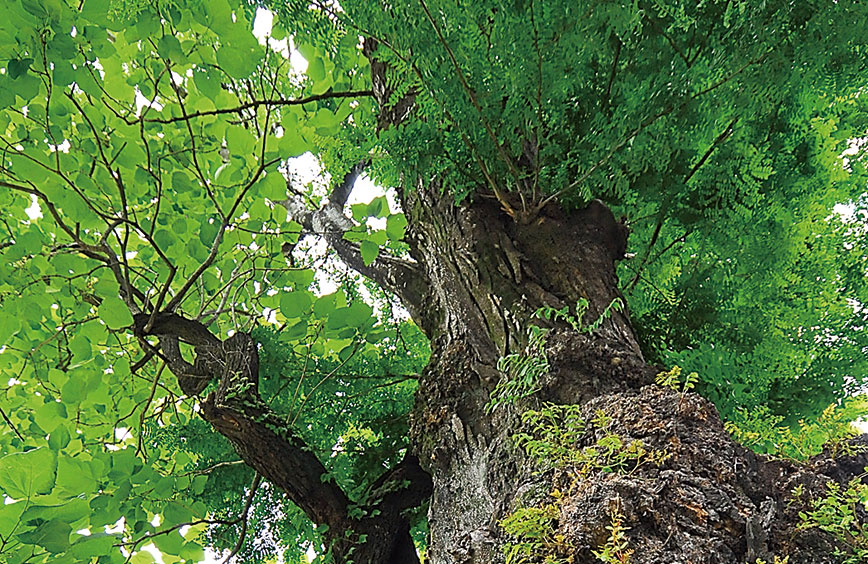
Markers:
(359, 313)
(272, 186)
(316, 69)
(142, 557)
(292, 144)
(94, 545)
(176, 513)
(50, 414)
(324, 305)
(25, 474)
(76, 477)
(295, 304)
(10, 517)
(53, 536)
(192, 551)
(169, 47)
(296, 331)
(369, 251)
(114, 313)
(236, 62)
(59, 438)
(207, 84)
(239, 140)
(70, 512)
(18, 67)
(396, 225)
(378, 207)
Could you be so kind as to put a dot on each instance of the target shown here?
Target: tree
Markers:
(180, 374)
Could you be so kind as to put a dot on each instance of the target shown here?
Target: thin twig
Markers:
(11, 425)
(243, 518)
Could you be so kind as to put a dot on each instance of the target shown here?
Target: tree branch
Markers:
(604, 105)
(266, 103)
(259, 435)
(397, 276)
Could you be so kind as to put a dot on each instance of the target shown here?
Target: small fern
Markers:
(521, 371)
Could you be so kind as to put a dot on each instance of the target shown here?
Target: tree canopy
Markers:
(147, 166)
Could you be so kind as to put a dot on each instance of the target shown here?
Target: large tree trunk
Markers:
(710, 500)
(690, 495)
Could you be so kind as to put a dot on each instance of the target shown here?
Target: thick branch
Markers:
(403, 487)
(235, 410)
(400, 277)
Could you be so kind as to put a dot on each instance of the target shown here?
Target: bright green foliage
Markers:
(521, 371)
(616, 550)
(672, 379)
(838, 514)
(766, 433)
(534, 531)
(112, 117)
(152, 137)
(551, 436)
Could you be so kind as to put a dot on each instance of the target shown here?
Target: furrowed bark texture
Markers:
(709, 501)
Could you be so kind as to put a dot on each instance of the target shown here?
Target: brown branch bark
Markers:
(265, 103)
(268, 444)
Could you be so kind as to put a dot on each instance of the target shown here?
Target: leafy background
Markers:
(154, 137)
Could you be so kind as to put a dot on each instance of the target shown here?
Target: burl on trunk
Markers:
(604, 463)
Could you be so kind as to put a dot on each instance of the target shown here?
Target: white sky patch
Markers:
(158, 557)
(298, 62)
(142, 102)
(34, 212)
(263, 23)
(846, 211)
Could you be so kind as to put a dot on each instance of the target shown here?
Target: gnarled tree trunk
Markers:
(477, 280)
(478, 276)
(705, 500)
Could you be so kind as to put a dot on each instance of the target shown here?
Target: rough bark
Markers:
(476, 278)
(479, 276)
(709, 501)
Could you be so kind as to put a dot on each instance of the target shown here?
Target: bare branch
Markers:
(266, 103)
(341, 192)
(237, 411)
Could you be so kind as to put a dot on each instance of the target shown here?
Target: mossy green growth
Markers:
(534, 530)
(551, 437)
(616, 549)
